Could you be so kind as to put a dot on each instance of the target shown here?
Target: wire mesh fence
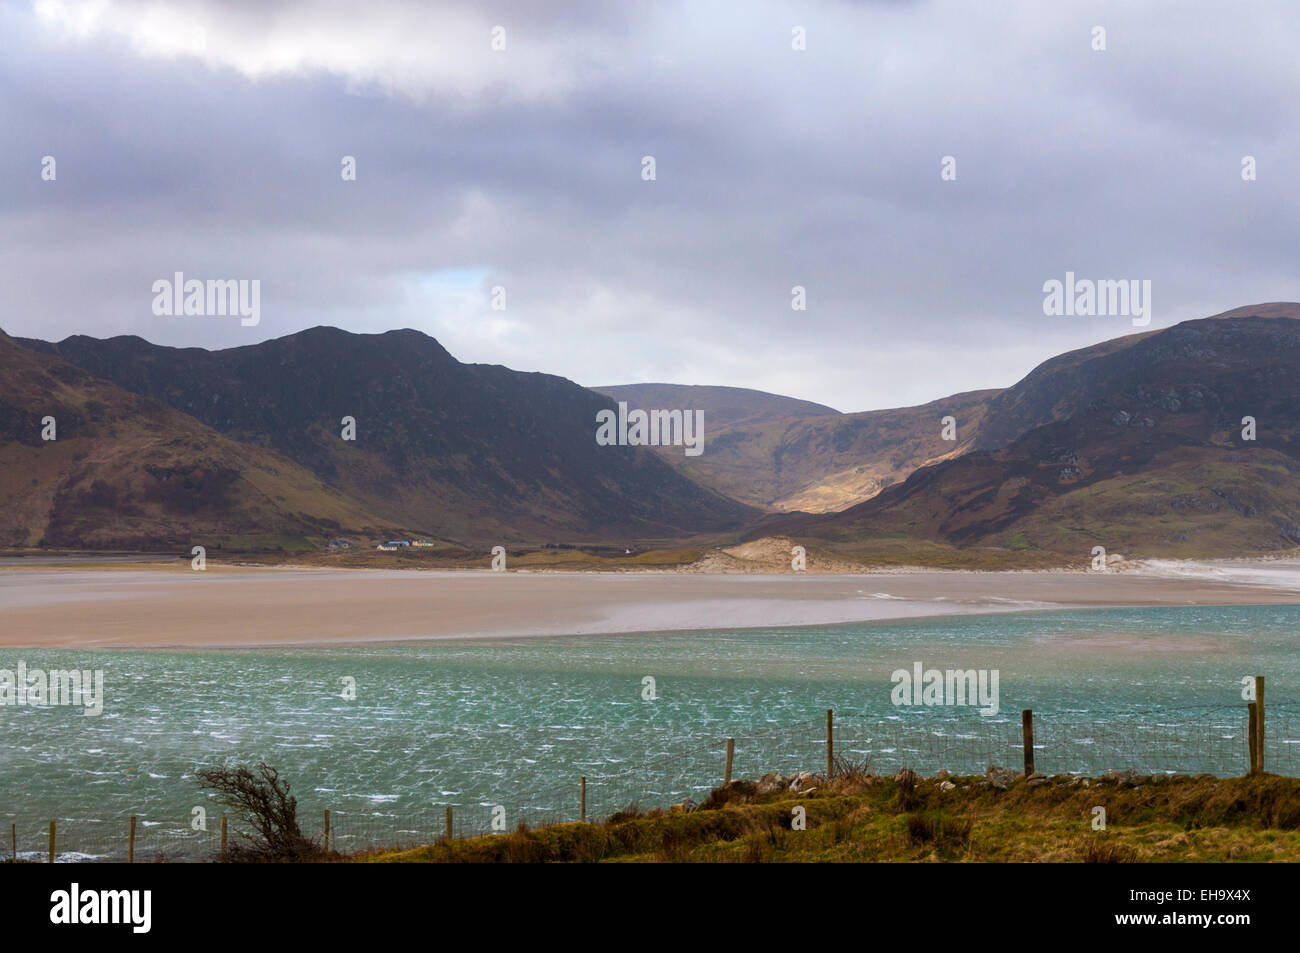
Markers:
(1210, 740)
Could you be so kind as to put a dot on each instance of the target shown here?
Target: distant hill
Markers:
(827, 463)
(723, 406)
(1064, 386)
(469, 452)
(126, 472)
(780, 453)
(1134, 445)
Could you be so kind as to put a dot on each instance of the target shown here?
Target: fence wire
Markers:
(1183, 741)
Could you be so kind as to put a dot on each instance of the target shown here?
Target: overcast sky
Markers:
(207, 138)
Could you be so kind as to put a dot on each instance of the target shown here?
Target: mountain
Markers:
(126, 472)
(1065, 385)
(469, 452)
(723, 407)
(827, 463)
(1135, 445)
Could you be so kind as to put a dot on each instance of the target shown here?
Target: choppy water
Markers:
(513, 723)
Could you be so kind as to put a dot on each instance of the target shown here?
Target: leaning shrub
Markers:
(261, 799)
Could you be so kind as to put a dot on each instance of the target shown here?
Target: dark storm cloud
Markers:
(207, 139)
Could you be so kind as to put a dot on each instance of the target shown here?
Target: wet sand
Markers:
(168, 608)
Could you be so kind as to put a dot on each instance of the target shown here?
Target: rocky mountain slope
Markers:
(126, 472)
(1141, 452)
(469, 452)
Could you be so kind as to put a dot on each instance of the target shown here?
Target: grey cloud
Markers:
(775, 168)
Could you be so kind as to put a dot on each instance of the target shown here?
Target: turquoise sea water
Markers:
(514, 722)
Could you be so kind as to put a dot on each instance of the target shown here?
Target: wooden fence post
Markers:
(1259, 724)
(223, 835)
(130, 843)
(582, 800)
(731, 754)
(830, 743)
(450, 831)
(51, 842)
(1251, 731)
(1027, 732)
(327, 830)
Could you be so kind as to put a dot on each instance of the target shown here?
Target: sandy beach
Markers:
(168, 608)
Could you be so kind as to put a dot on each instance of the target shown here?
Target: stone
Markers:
(802, 781)
(946, 785)
(1000, 778)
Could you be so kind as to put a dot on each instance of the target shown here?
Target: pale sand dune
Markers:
(261, 607)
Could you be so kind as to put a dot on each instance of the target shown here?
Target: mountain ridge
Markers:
(1134, 444)
(127, 472)
(473, 452)
(1148, 459)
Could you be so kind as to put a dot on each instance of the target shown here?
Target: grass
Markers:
(863, 818)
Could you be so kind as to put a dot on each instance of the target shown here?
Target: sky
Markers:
(502, 145)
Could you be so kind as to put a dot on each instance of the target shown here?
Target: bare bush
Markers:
(262, 800)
